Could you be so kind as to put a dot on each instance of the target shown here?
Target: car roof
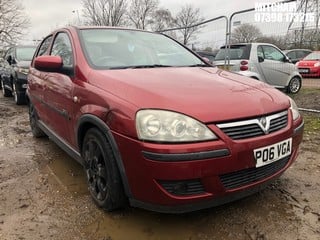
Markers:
(252, 43)
(297, 49)
(76, 28)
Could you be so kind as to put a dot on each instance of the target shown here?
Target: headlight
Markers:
(294, 109)
(166, 126)
(317, 64)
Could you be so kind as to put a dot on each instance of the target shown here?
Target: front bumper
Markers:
(312, 72)
(180, 178)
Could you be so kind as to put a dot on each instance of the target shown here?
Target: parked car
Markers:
(310, 65)
(210, 55)
(261, 61)
(154, 124)
(295, 55)
(14, 76)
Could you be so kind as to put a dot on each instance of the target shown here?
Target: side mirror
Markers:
(286, 59)
(9, 59)
(260, 59)
(48, 63)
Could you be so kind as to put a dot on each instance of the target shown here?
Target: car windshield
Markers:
(235, 52)
(313, 56)
(25, 53)
(117, 48)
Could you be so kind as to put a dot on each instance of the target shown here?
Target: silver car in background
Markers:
(261, 61)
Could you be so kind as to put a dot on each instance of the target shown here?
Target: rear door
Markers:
(274, 66)
(36, 80)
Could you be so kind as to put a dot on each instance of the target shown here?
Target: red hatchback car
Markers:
(153, 124)
(310, 65)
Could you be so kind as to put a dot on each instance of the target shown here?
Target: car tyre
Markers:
(19, 97)
(103, 175)
(33, 118)
(294, 85)
(6, 92)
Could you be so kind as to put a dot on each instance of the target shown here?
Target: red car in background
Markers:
(155, 125)
(310, 65)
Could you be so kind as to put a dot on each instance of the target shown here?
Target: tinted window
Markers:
(235, 52)
(44, 46)
(291, 55)
(302, 54)
(62, 47)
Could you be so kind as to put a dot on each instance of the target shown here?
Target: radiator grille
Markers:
(244, 177)
(255, 127)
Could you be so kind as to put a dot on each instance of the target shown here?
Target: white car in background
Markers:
(261, 61)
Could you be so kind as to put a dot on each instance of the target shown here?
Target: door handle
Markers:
(76, 99)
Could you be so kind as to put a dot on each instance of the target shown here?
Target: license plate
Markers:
(272, 153)
(303, 70)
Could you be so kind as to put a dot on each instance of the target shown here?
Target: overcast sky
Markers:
(47, 15)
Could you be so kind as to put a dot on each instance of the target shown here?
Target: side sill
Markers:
(61, 143)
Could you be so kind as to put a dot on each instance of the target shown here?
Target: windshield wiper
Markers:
(199, 65)
(141, 66)
(158, 66)
(150, 66)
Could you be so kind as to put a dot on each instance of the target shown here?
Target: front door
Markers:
(59, 89)
(274, 67)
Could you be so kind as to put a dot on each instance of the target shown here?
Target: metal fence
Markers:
(281, 23)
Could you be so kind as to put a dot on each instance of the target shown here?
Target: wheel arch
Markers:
(88, 121)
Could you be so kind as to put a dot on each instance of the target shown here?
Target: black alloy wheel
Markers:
(103, 176)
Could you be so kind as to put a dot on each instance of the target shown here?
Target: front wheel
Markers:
(103, 176)
(294, 85)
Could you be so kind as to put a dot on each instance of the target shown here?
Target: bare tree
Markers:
(186, 17)
(104, 12)
(141, 12)
(162, 19)
(245, 33)
(279, 41)
(13, 21)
